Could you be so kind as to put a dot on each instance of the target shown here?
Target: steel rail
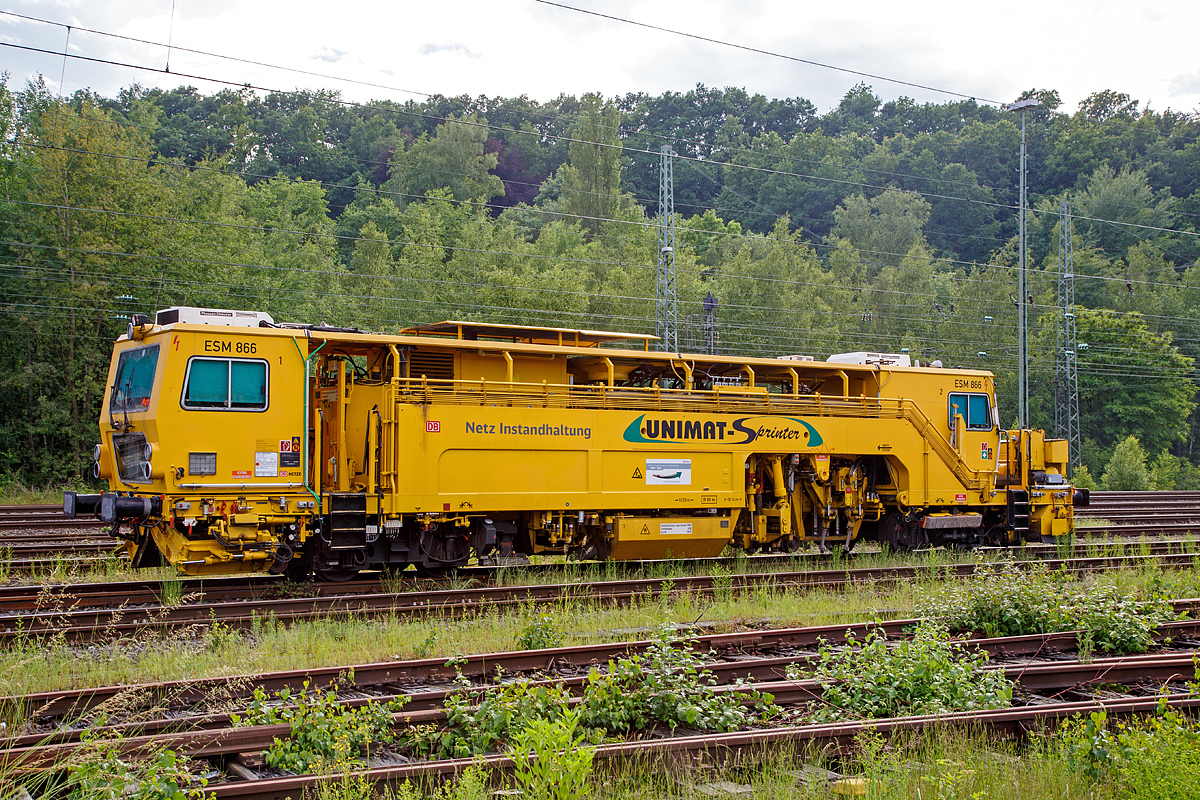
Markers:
(177, 694)
(227, 588)
(228, 741)
(87, 624)
(717, 747)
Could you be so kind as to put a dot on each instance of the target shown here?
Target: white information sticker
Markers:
(675, 529)
(668, 472)
(266, 465)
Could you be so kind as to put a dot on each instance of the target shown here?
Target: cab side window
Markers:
(975, 409)
(225, 384)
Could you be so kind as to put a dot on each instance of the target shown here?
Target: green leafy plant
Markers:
(540, 633)
(1010, 602)
(100, 771)
(924, 674)
(479, 722)
(1151, 758)
(552, 760)
(668, 685)
(324, 735)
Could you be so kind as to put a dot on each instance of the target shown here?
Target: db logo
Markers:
(433, 427)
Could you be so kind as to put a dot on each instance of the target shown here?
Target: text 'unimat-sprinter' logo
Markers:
(670, 428)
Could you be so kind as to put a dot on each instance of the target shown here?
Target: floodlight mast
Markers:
(1022, 291)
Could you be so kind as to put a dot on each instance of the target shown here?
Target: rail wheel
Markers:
(899, 534)
(336, 575)
(998, 536)
(442, 551)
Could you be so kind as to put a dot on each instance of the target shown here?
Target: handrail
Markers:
(971, 478)
(656, 398)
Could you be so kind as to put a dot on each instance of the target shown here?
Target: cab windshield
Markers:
(135, 380)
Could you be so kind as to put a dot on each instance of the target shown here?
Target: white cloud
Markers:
(455, 48)
(519, 47)
(1186, 84)
(330, 55)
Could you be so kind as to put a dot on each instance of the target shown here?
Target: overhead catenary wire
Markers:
(959, 198)
(517, 131)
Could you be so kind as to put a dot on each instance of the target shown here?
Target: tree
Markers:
(884, 229)
(592, 181)
(1132, 382)
(1126, 470)
(454, 158)
(85, 213)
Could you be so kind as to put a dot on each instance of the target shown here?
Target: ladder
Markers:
(347, 520)
(1019, 514)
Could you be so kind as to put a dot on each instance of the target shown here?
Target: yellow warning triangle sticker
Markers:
(637, 473)
(645, 530)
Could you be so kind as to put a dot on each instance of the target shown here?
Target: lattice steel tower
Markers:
(710, 324)
(1066, 374)
(666, 309)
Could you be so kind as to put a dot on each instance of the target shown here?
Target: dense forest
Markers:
(875, 226)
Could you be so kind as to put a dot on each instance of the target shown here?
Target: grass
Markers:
(114, 568)
(936, 764)
(214, 650)
(15, 493)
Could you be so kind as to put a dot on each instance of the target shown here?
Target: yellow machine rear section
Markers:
(234, 444)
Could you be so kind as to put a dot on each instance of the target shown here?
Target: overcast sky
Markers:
(992, 51)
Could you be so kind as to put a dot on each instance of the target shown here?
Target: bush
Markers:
(667, 685)
(540, 633)
(1151, 758)
(501, 711)
(1009, 602)
(324, 736)
(1126, 470)
(925, 674)
(101, 772)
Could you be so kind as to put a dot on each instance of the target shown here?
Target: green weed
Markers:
(324, 736)
(540, 633)
(552, 762)
(924, 674)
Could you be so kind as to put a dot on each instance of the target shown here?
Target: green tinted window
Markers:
(975, 410)
(248, 384)
(208, 383)
(135, 379)
(224, 383)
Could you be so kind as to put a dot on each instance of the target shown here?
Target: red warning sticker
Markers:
(241, 473)
(960, 498)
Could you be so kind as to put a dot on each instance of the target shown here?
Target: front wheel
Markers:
(336, 575)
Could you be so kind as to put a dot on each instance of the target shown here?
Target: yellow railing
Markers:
(544, 395)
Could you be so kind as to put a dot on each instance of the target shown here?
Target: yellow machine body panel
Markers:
(264, 447)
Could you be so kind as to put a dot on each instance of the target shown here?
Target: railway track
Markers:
(42, 517)
(23, 598)
(1051, 686)
(35, 537)
(112, 615)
